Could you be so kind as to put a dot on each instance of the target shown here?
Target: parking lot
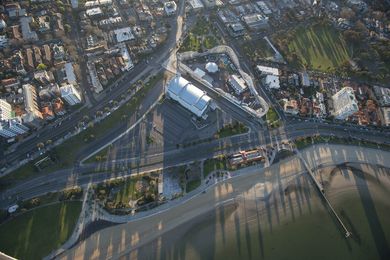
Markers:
(166, 127)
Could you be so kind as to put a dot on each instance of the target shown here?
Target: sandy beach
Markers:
(245, 216)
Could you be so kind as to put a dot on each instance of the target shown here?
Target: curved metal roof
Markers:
(188, 95)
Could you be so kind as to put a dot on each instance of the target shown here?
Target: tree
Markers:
(68, 28)
(41, 66)
(40, 145)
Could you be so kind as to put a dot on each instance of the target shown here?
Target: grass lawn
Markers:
(68, 151)
(192, 185)
(99, 156)
(319, 47)
(36, 233)
(305, 142)
(272, 118)
(212, 165)
(127, 192)
(201, 36)
(232, 129)
(257, 49)
(272, 115)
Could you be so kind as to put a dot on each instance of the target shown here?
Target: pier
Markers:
(322, 192)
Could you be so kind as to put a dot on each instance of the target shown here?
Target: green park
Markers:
(35, 233)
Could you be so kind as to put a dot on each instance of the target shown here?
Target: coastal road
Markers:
(84, 174)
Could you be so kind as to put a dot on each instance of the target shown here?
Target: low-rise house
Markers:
(47, 54)
(28, 34)
(110, 21)
(49, 91)
(58, 25)
(272, 81)
(305, 79)
(37, 55)
(237, 83)
(94, 12)
(3, 25)
(255, 21)
(128, 63)
(10, 83)
(264, 7)
(58, 107)
(383, 95)
(386, 116)
(43, 23)
(58, 52)
(47, 112)
(170, 8)
(3, 41)
(291, 106)
(17, 61)
(14, 10)
(236, 29)
(196, 5)
(15, 32)
(124, 34)
(43, 77)
(70, 76)
(30, 59)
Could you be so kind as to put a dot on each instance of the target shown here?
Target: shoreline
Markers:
(221, 190)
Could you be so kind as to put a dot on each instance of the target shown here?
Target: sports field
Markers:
(319, 47)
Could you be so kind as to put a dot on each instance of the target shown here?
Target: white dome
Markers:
(211, 67)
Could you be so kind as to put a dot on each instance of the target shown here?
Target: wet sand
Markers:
(267, 219)
(301, 231)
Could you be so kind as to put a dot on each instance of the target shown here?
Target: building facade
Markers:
(5, 110)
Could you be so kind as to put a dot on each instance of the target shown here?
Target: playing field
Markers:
(35, 234)
(319, 47)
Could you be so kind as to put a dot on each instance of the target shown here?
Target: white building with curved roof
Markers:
(189, 96)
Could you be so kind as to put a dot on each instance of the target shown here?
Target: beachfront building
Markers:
(189, 96)
(70, 94)
(12, 127)
(344, 103)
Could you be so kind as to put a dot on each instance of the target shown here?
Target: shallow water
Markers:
(292, 224)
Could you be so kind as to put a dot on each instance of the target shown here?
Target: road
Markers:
(163, 157)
